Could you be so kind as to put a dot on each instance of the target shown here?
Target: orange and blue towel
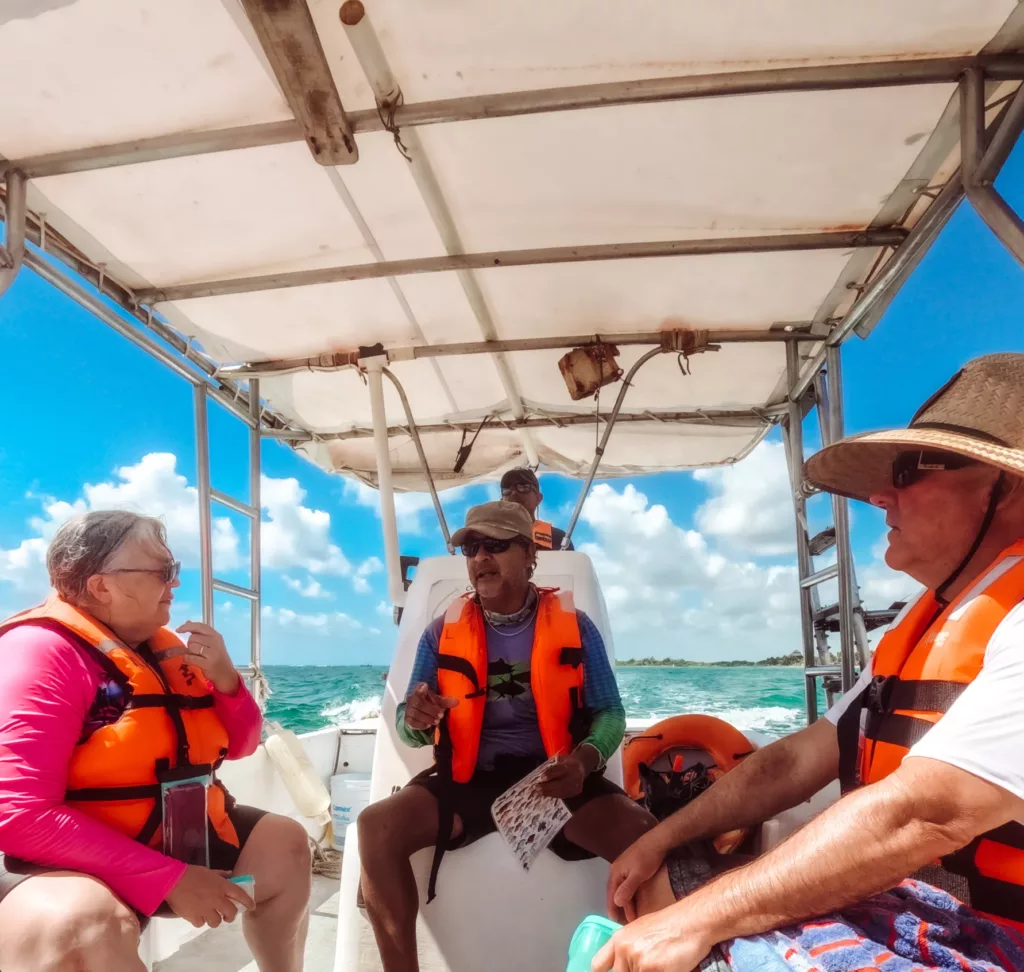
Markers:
(912, 928)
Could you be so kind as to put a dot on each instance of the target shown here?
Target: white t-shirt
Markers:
(983, 731)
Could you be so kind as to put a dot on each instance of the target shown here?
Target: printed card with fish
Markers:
(527, 819)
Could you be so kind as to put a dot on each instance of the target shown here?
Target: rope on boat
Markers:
(326, 861)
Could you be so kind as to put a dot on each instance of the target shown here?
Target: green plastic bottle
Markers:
(587, 941)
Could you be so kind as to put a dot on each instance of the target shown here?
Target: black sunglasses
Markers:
(518, 488)
(169, 573)
(909, 467)
(472, 547)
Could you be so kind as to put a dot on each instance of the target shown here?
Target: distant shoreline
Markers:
(794, 660)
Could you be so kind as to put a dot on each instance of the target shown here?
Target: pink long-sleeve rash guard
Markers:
(47, 686)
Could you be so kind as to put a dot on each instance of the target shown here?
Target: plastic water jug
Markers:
(298, 774)
(593, 932)
(350, 793)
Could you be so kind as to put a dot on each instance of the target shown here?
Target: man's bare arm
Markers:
(866, 843)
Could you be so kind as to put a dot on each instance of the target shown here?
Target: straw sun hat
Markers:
(978, 413)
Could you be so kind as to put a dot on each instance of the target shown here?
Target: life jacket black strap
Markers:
(571, 656)
(179, 702)
(153, 822)
(456, 663)
(924, 696)
(899, 730)
(443, 755)
(144, 791)
(848, 737)
(1011, 834)
(141, 791)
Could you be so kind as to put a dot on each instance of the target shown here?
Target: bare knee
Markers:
(292, 844)
(395, 828)
(90, 932)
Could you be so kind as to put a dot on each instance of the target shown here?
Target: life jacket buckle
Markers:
(879, 693)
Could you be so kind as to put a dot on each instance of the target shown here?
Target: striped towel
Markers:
(912, 928)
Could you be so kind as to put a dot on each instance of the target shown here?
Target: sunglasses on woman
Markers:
(169, 573)
(909, 467)
(472, 547)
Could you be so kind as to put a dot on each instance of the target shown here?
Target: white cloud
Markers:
(670, 594)
(408, 506)
(151, 486)
(325, 622)
(370, 566)
(751, 508)
(383, 609)
(310, 588)
(295, 535)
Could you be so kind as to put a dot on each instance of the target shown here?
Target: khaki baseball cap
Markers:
(500, 520)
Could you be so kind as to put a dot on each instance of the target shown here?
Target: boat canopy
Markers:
(466, 191)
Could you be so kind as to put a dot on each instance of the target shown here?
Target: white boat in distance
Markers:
(289, 202)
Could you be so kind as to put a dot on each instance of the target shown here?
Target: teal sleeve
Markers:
(600, 692)
(606, 731)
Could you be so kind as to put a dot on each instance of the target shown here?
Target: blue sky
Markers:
(693, 566)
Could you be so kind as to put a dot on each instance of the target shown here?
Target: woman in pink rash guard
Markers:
(83, 692)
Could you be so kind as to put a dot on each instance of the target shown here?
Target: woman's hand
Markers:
(206, 650)
(205, 897)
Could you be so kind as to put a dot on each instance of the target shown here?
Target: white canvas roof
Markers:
(93, 83)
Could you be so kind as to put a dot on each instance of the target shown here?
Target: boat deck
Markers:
(224, 950)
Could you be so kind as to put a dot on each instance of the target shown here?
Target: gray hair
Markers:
(85, 545)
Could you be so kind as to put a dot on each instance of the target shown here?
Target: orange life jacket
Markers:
(556, 676)
(542, 535)
(922, 665)
(169, 723)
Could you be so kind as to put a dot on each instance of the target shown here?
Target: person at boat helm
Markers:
(510, 675)
(927, 746)
(522, 486)
(109, 724)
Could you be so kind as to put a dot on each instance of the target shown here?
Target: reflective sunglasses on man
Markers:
(521, 488)
(493, 546)
(169, 573)
(909, 467)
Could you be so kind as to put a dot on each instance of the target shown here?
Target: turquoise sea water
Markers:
(766, 699)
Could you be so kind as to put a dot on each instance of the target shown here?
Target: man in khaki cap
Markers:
(928, 747)
(509, 676)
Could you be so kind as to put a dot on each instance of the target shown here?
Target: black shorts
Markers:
(223, 857)
(472, 801)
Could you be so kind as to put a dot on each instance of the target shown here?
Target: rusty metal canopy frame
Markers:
(772, 187)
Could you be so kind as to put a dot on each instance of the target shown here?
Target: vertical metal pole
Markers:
(255, 525)
(205, 513)
(841, 516)
(385, 484)
(14, 228)
(793, 437)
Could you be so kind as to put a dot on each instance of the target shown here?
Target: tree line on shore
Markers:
(792, 659)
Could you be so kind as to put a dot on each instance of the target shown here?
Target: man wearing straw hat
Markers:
(927, 746)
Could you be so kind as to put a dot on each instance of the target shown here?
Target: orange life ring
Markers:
(725, 744)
